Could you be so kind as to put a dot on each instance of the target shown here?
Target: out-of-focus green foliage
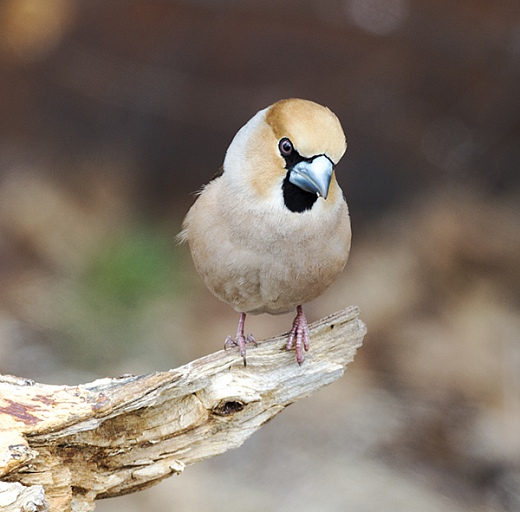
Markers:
(133, 269)
(129, 289)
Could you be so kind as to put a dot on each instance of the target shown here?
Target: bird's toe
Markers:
(241, 342)
(299, 335)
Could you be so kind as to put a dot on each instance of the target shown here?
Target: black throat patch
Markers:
(296, 199)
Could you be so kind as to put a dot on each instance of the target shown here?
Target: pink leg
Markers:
(300, 333)
(240, 340)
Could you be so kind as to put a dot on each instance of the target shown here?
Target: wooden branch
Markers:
(116, 436)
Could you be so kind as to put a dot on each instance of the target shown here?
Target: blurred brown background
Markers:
(113, 113)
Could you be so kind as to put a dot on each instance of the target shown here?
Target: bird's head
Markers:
(288, 151)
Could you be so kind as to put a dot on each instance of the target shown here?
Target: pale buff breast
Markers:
(266, 263)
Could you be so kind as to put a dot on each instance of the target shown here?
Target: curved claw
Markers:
(240, 340)
(299, 335)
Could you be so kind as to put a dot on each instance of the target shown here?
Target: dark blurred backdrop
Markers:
(113, 113)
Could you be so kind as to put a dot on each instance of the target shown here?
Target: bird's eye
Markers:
(285, 146)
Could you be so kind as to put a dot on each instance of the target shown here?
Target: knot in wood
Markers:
(228, 407)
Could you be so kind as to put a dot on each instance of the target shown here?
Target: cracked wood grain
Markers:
(111, 437)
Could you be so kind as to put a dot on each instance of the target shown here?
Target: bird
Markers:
(271, 231)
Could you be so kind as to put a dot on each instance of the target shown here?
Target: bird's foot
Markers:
(240, 340)
(299, 335)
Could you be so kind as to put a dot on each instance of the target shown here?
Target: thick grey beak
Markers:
(313, 176)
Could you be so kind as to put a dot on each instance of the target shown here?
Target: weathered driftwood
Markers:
(69, 445)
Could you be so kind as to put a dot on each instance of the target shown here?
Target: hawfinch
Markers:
(271, 231)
